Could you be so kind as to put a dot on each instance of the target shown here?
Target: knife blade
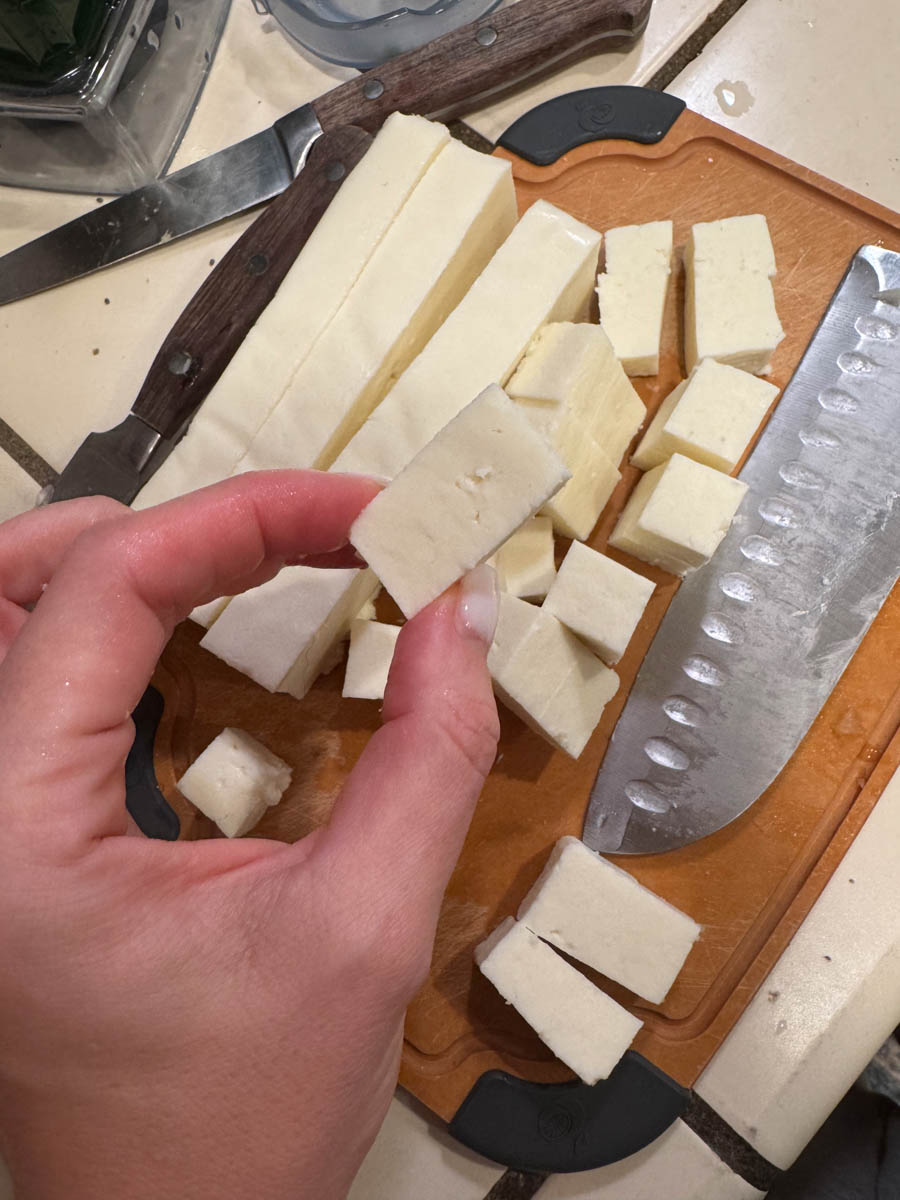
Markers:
(206, 336)
(441, 78)
(753, 643)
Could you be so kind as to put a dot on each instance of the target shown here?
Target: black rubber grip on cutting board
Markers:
(143, 799)
(563, 1127)
(554, 128)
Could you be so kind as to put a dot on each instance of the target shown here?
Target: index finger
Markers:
(79, 666)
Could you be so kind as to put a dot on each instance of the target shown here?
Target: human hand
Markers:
(214, 1018)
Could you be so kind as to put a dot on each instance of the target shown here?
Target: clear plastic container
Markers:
(365, 33)
(136, 114)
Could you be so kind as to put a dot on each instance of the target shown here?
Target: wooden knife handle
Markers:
(206, 336)
(445, 76)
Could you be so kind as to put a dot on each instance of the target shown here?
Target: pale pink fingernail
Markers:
(476, 612)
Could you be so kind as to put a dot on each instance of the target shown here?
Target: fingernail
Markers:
(477, 606)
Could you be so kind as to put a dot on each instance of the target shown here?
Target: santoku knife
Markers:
(441, 78)
(754, 642)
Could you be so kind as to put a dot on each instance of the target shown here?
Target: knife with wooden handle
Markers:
(441, 78)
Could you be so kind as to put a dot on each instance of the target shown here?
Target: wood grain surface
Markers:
(751, 884)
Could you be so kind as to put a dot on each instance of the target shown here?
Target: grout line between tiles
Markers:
(691, 48)
(29, 460)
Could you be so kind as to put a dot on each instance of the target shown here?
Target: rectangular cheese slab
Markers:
(678, 514)
(601, 915)
(311, 293)
(729, 308)
(570, 383)
(524, 563)
(710, 417)
(280, 634)
(576, 507)
(456, 217)
(599, 600)
(632, 292)
(585, 1028)
(545, 675)
(457, 501)
(542, 272)
(234, 781)
(372, 646)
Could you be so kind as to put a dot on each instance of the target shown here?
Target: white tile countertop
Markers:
(799, 76)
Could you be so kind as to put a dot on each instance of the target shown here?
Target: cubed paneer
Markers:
(729, 311)
(543, 272)
(460, 498)
(585, 1028)
(710, 417)
(547, 676)
(602, 916)
(524, 563)
(576, 507)
(234, 781)
(372, 646)
(678, 514)
(570, 384)
(599, 600)
(632, 292)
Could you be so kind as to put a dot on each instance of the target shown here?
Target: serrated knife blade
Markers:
(754, 642)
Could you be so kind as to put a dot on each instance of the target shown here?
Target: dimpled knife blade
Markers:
(755, 641)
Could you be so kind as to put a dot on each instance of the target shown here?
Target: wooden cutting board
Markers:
(751, 884)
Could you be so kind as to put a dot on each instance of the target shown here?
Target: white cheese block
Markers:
(542, 272)
(678, 514)
(729, 311)
(710, 417)
(599, 600)
(372, 646)
(311, 293)
(367, 612)
(601, 915)
(457, 501)
(547, 677)
(585, 1028)
(576, 507)
(524, 563)
(281, 633)
(457, 216)
(207, 614)
(234, 781)
(632, 292)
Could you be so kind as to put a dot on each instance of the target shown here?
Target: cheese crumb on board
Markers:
(601, 915)
(710, 417)
(599, 600)
(632, 292)
(281, 633)
(459, 499)
(571, 383)
(457, 216)
(547, 676)
(542, 272)
(678, 514)
(729, 311)
(524, 563)
(313, 290)
(234, 781)
(585, 1028)
(372, 646)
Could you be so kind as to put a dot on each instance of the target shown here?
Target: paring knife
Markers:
(441, 78)
(754, 642)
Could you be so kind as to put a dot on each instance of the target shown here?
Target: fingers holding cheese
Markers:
(404, 811)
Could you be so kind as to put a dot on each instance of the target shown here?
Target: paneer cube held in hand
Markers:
(599, 600)
(585, 1028)
(678, 514)
(601, 915)
(458, 501)
(234, 781)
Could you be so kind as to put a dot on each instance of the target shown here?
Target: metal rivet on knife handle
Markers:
(486, 36)
(335, 171)
(180, 363)
(258, 264)
(373, 89)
